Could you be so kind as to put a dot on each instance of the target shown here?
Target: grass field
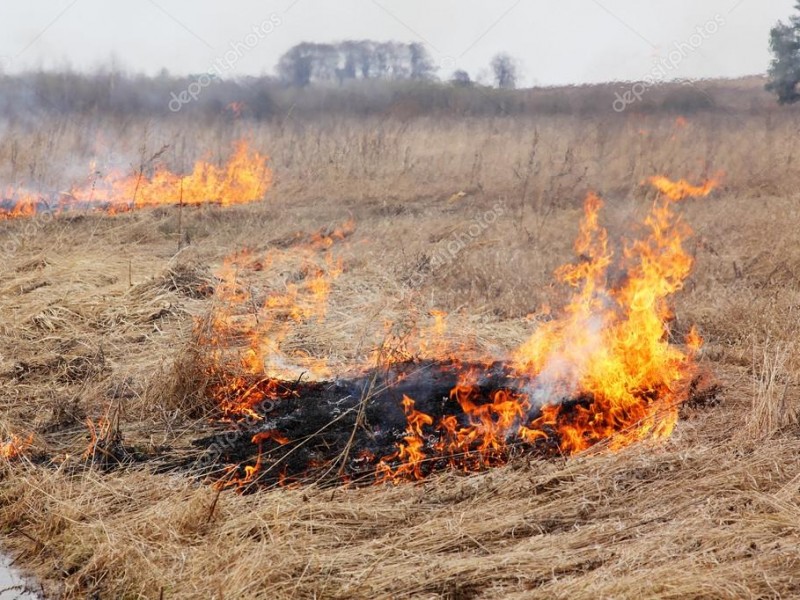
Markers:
(98, 312)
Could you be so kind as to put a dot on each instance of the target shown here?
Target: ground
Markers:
(97, 312)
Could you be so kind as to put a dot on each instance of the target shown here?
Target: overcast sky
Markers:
(556, 41)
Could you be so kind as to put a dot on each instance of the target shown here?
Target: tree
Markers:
(784, 72)
(505, 71)
(308, 63)
(461, 78)
(296, 66)
(422, 66)
(325, 62)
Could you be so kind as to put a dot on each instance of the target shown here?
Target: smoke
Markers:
(563, 370)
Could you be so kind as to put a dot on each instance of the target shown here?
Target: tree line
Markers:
(352, 60)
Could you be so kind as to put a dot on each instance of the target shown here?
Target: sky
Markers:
(555, 42)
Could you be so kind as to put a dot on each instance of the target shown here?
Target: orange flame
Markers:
(410, 451)
(236, 108)
(612, 344)
(244, 178)
(15, 447)
(233, 479)
(600, 371)
(264, 325)
(610, 347)
(97, 432)
(681, 189)
(21, 203)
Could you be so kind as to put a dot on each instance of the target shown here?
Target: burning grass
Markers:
(604, 371)
(244, 178)
(96, 310)
(370, 429)
(15, 447)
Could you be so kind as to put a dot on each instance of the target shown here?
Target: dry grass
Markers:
(772, 409)
(97, 310)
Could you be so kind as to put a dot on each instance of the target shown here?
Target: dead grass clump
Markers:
(186, 279)
(34, 264)
(67, 368)
(772, 409)
(184, 383)
(106, 448)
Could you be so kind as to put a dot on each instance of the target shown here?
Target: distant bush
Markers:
(687, 99)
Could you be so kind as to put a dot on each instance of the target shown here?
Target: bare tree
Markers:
(422, 66)
(307, 63)
(505, 71)
(295, 67)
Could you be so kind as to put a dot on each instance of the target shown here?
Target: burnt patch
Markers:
(350, 430)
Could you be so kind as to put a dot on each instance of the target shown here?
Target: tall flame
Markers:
(610, 347)
(604, 370)
(612, 344)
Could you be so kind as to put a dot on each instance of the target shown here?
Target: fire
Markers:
(264, 318)
(15, 447)
(482, 440)
(410, 451)
(236, 108)
(612, 343)
(99, 433)
(431, 339)
(681, 189)
(233, 479)
(20, 203)
(609, 349)
(602, 371)
(244, 178)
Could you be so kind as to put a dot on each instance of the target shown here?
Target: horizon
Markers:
(626, 42)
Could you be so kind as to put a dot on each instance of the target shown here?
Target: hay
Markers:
(711, 513)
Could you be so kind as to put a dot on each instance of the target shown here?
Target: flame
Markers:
(264, 325)
(609, 350)
(19, 203)
(681, 189)
(410, 452)
(431, 340)
(612, 344)
(236, 108)
(97, 432)
(244, 178)
(233, 479)
(600, 371)
(693, 340)
(15, 447)
(482, 441)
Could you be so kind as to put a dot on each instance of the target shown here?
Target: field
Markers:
(98, 319)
